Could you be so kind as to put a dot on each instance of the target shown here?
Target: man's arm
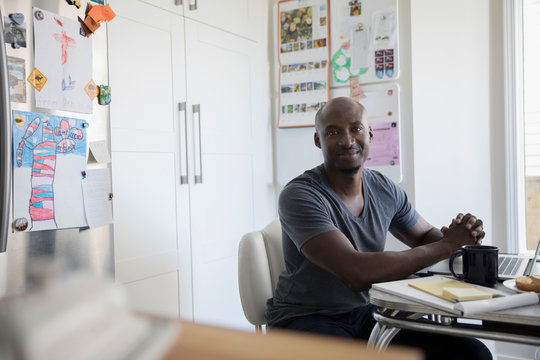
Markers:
(358, 270)
(423, 233)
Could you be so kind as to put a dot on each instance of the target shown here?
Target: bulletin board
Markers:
(304, 57)
(382, 104)
(364, 41)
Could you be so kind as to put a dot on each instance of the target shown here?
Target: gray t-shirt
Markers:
(309, 207)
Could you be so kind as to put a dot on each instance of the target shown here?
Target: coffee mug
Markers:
(480, 264)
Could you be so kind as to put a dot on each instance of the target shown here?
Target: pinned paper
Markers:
(96, 189)
(37, 79)
(100, 151)
(356, 92)
(15, 30)
(16, 77)
(91, 89)
(94, 14)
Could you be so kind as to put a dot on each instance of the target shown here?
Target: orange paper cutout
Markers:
(101, 13)
(93, 15)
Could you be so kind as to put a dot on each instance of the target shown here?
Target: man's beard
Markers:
(351, 171)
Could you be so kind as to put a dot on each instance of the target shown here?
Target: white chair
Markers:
(260, 261)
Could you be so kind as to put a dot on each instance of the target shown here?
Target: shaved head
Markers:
(343, 134)
(339, 106)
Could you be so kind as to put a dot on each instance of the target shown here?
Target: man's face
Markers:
(344, 137)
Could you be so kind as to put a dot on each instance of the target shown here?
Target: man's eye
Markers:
(358, 129)
(332, 132)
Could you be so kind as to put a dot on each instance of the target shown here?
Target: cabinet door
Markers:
(219, 74)
(146, 62)
(241, 17)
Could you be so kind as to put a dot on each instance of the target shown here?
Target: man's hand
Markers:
(473, 224)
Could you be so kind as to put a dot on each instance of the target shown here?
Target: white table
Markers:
(520, 325)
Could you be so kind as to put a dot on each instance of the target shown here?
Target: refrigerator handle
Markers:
(193, 6)
(183, 150)
(197, 141)
(5, 146)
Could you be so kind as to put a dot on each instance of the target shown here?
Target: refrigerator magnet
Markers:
(104, 97)
(91, 89)
(20, 224)
(37, 79)
(77, 3)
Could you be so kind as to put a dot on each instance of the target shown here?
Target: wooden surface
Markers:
(205, 342)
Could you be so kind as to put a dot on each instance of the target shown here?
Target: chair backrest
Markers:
(260, 261)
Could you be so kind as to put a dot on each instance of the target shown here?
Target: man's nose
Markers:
(346, 139)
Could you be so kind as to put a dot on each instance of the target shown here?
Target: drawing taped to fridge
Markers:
(49, 153)
(64, 57)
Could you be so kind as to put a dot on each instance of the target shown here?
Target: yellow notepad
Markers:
(452, 290)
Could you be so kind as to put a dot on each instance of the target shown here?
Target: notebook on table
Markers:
(511, 266)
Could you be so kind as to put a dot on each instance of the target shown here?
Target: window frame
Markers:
(516, 233)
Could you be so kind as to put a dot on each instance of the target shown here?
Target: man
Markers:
(335, 219)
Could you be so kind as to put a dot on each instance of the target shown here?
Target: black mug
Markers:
(480, 264)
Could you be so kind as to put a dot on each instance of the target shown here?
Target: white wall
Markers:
(458, 119)
(457, 71)
(451, 109)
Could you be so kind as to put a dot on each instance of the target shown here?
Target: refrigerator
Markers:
(63, 128)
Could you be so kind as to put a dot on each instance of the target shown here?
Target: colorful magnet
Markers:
(20, 224)
(85, 124)
(17, 18)
(110, 196)
(37, 79)
(83, 173)
(38, 14)
(15, 30)
(91, 89)
(104, 97)
(77, 3)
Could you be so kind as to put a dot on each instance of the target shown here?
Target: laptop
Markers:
(511, 266)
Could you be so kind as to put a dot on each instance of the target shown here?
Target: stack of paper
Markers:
(410, 289)
(452, 290)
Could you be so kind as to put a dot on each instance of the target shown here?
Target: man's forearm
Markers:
(432, 236)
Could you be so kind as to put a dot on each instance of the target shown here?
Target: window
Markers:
(522, 84)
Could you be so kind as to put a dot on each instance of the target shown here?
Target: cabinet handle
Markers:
(178, 2)
(197, 141)
(183, 150)
(5, 147)
(193, 6)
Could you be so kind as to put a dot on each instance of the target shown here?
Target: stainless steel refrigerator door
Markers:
(32, 257)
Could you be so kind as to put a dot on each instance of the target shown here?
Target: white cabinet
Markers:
(175, 6)
(239, 17)
(147, 77)
(191, 142)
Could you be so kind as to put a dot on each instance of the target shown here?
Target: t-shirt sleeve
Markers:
(406, 216)
(303, 213)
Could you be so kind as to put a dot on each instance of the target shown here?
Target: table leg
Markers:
(385, 337)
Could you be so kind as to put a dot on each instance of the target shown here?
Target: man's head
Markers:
(343, 134)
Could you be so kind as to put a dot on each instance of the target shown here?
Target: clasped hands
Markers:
(472, 224)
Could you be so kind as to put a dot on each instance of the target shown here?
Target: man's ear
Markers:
(317, 140)
(370, 134)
